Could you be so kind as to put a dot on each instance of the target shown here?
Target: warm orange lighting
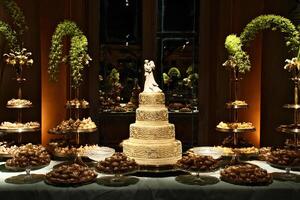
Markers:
(251, 91)
(53, 94)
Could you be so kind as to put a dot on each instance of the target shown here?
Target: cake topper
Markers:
(150, 83)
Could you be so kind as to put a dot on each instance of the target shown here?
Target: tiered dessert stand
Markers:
(76, 110)
(234, 109)
(18, 66)
(294, 128)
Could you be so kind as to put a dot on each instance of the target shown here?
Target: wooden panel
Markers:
(53, 94)
(250, 89)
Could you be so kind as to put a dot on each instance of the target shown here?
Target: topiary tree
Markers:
(77, 57)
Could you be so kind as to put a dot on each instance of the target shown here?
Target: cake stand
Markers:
(287, 175)
(26, 178)
(293, 129)
(234, 106)
(197, 177)
(20, 81)
(117, 179)
(76, 110)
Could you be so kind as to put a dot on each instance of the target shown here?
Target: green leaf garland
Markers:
(240, 59)
(273, 22)
(78, 56)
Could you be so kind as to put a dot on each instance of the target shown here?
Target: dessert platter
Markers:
(74, 126)
(238, 127)
(93, 152)
(77, 103)
(236, 104)
(246, 174)
(66, 152)
(19, 127)
(6, 150)
(287, 159)
(117, 165)
(70, 175)
(152, 142)
(19, 103)
(193, 163)
(28, 156)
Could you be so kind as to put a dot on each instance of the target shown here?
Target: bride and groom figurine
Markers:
(150, 83)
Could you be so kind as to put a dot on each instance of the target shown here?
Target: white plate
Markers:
(99, 153)
(208, 151)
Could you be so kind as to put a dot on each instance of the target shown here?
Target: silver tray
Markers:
(236, 130)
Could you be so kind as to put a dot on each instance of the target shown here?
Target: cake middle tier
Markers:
(145, 153)
(152, 114)
(154, 131)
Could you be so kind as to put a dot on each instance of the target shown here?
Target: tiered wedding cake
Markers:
(152, 137)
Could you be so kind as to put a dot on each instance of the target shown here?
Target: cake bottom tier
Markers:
(153, 154)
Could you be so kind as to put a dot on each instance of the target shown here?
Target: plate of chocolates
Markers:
(71, 175)
(282, 158)
(197, 163)
(246, 174)
(28, 156)
(118, 163)
(194, 163)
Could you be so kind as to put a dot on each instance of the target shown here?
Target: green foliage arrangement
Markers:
(273, 22)
(174, 72)
(9, 35)
(237, 57)
(16, 14)
(166, 78)
(240, 59)
(77, 57)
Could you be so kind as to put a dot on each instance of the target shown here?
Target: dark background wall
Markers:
(266, 87)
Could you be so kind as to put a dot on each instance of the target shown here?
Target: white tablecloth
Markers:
(149, 188)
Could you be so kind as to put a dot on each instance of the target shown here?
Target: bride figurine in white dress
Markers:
(150, 83)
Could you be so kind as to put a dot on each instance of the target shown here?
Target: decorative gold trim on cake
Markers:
(149, 154)
(151, 142)
(156, 114)
(152, 131)
(152, 98)
(157, 162)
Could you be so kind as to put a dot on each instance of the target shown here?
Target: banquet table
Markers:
(149, 188)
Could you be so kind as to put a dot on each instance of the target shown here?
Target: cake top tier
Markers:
(151, 99)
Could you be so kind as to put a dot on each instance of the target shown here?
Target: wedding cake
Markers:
(152, 137)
